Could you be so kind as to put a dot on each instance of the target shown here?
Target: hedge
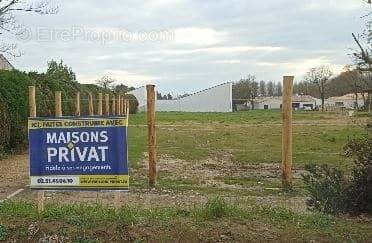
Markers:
(14, 103)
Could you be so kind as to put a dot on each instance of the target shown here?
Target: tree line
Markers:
(248, 89)
(318, 82)
(110, 83)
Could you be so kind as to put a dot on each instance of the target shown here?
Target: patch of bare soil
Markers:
(14, 173)
(177, 231)
(210, 172)
(203, 176)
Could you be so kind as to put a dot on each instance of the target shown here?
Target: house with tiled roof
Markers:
(5, 64)
(348, 101)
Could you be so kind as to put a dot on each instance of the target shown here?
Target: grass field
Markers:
(250, 137)
(219, 180)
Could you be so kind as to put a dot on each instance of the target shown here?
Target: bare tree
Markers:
(270, 88)
(355, 81)
(105, 82)
(263, 88)
(278, 89)
(363, 63)
(319, 76)
(10, 25)
(246, 89)
(254, 87)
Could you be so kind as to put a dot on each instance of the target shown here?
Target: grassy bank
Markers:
(213, 221)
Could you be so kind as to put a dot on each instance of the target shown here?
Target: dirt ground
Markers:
(205, 178)
(14, 174)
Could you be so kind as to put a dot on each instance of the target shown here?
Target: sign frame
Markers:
(113, 131)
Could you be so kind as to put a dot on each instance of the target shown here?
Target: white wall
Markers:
(273, 103)
(348, 104)
(140, 94)
(215, 99)
(276, 102)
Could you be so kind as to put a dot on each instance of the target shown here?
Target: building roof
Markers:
(346, 97)
(5, 64)
(302, 98)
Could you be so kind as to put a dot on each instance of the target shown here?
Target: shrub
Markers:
(13, 118)
(3, 233)
(327, 187)
(333, 191)
(360, 191)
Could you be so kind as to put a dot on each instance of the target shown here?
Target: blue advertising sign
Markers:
(78, 153)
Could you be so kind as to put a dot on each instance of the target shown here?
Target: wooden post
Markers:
(107, 104)
(151, 133)
(90, 104)
(118, 108)
(32, 108)
(121, 105)
(287, 132)
(32, 101)
(58, 104)
(77, 104)
(113, 105)
(125, 107)
(99, 111)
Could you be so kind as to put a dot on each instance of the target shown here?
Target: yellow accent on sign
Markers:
(104, 180)
(77, 123)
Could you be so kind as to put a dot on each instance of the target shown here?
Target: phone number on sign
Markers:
(54, 181)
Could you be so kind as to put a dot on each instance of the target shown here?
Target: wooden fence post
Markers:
(90, 104)
(77, 104)
(151, 133)
(32, 108)
(113, 109)
(118, 103)
(58, 104)
(287, 132)
(32, 101)
(99, 111)
(124, 106)
(107, 104)
(121, 105)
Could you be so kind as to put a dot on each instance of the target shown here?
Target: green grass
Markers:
(256, 116)
(81, 222)
(251, 181)
(176, 184)
(250, 137)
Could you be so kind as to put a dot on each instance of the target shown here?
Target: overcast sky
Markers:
(188, 45)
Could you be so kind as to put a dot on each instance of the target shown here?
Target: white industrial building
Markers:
(214, 99)
(275, 102)
(348, 101)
